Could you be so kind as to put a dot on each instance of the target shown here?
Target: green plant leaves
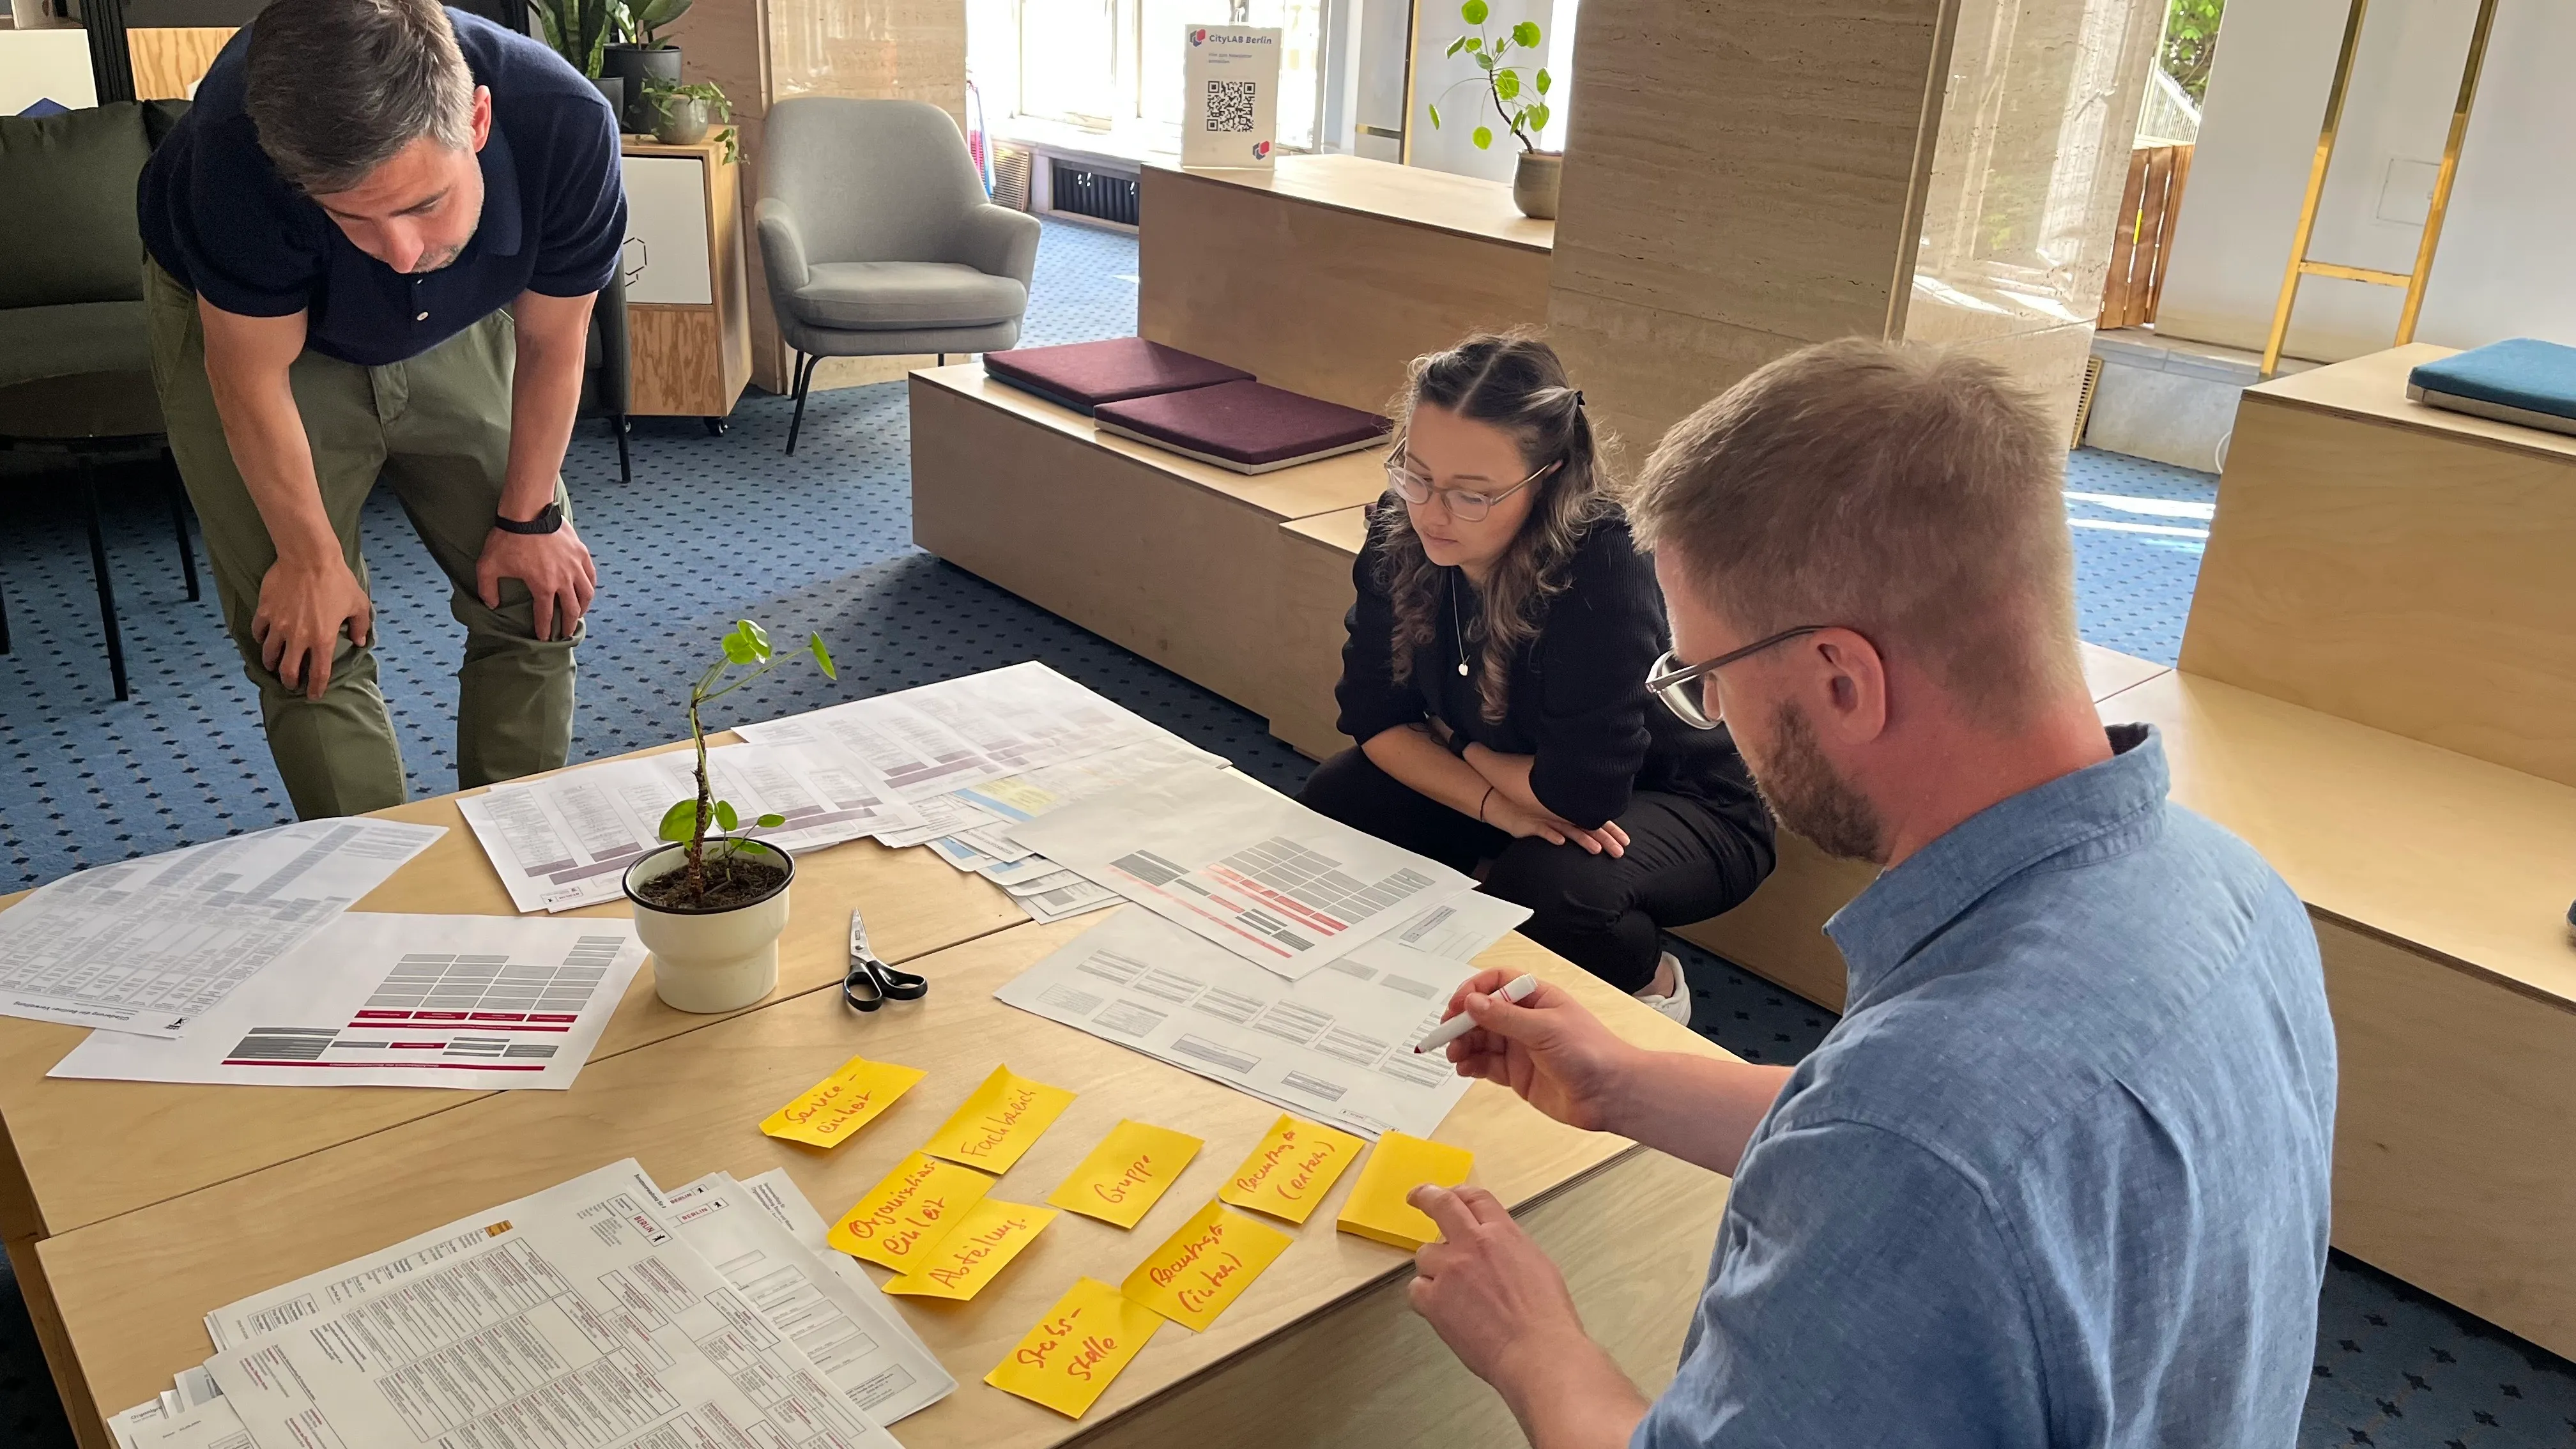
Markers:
(1525, 35)
(1435, 118)
(679, 822)
(747, 644)
(726, 819)
(1544, 80)
(1474, 12)
(1456, 46)
(822, 656)
(1535, 117)
(1475, 44)
(1484, 62)
(770, 822)
(1507, 83)
(1484, 137)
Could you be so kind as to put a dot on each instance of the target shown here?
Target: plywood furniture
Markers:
(1328, 1319)
(1745, 177)
(168, 62)
(1174, 559)
(1313, 620)
(1331, 273)
(2398, 565)
(687, 311)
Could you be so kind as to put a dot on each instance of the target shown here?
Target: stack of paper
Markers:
(599, 1309)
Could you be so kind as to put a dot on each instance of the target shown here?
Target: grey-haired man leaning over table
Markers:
(2059, 1176)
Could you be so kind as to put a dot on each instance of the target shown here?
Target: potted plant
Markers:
(682, 113)
(710, 910)
(578, 30)
(1523, 108)
(644, 56)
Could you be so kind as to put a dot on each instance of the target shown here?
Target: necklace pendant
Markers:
(1462, 669)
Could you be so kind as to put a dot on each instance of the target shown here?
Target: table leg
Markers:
(98, 571)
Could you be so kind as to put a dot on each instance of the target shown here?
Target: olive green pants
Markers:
(436, 429)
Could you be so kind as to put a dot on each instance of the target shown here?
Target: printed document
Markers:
(779, 1196)
(1335, 1046)
(853, 1336)
(148, 946)
(582, 1317)
(478, 1002)
(1242, 865)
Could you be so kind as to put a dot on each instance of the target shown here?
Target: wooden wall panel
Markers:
(168, 61)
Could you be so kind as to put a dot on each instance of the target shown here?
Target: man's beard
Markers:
(440, 261)
(1802, 790)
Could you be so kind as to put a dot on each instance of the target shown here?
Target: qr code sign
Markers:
(1229, 105)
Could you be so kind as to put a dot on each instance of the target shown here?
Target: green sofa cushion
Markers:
(67, 226)
(73, 338)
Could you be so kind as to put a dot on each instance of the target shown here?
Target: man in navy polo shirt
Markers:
(374, 244)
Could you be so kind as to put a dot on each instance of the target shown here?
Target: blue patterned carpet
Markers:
(717, 528)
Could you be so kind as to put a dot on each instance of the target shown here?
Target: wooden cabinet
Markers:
(687, 319)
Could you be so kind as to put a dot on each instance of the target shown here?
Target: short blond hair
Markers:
(1912, 494)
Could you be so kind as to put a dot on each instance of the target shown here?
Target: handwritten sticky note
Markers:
(904, 1217)
(1000, 1121)
(985, 1241)
(1126, 1174)
(1400, 1164)
(1292, 1169)
(1065, 1362)
(831, 1111)
(1205, 1266)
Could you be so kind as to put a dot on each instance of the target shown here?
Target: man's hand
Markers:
(556, 567)
(1552, 1051)
(302, 612)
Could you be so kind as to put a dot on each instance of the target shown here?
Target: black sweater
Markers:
(1578, 697)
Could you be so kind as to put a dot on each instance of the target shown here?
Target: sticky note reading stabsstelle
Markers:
(1126, 1174)
(832, 1111)
(901, 1219)
(1082, 1343)
(1204, 1267)
(984, 1242)
(1003, 1119)
(1400, 1164)
(1291, 1169)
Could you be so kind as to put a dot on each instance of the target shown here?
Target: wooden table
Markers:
(147, 1205)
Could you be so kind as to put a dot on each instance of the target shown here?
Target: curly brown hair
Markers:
(1515, 382)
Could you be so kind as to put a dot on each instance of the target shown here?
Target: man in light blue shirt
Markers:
(2060, 1175)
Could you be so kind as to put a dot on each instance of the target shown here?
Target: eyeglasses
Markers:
(1465, 505)
(1685, 689)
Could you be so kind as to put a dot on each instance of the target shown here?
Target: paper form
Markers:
(212, 1425)
(1056, 903)
(565, 841)
(125, 1428)
(473, 1002)
(852, 1337)
(148, 946)
(1242, 866)
(1336, 1046)
(778, 1195)
(1029, 873)
(1091, 1334)
(943, 817)
(584, 1318)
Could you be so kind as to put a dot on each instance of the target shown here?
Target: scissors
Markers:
(871, 983)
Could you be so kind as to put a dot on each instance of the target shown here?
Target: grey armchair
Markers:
(878, 240)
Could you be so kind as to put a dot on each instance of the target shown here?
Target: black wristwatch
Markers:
(549, 519)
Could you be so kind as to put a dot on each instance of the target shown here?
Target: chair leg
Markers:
(98, 571)
(4, 621)
(179, 522)
(804, 380)
(625, 466)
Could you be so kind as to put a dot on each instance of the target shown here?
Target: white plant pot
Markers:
(709, 961)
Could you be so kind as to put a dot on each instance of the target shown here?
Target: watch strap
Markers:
(548, 520)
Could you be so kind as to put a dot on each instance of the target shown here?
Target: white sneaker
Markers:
(1678, 1005)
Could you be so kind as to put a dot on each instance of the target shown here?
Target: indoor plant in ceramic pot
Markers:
(710, 910)
(644, 57)
(682, 113)
(579, 30)
(1523, 108)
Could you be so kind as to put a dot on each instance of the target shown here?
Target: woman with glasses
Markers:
(1495, 681)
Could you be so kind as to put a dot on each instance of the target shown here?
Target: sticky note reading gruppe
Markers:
(831, 1111)
(1082, 1343)
(1204, 1267)
(1126, 1174)
(1400, 1164)
(983, 1243)
(901, 1219)
(1003, 1119)
(1291, 1169)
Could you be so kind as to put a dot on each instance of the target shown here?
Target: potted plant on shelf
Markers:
(710, 910)
(643, 56)
(1523, 108)
(682, 114)
(579, 30)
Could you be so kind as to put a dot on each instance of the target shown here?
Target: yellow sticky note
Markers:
(1400, 1164)
(1292, 1169)
(984, 1242)
(1205, 1266)
(1090, 1334)
(832, 1110)
(1126, 1174)
(1002, 1120)
(905, 1216)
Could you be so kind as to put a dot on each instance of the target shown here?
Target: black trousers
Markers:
(1685, 863)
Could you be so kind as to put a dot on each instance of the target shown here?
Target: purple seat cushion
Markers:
(1083, 375)
(1245, 424)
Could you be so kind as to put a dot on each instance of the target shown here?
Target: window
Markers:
(1113, 65)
